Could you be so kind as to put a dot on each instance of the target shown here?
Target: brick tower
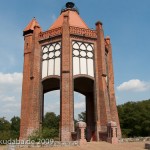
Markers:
(71, 57)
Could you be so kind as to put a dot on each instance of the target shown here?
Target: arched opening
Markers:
(85, 86)
(51, 107)
(50, 84)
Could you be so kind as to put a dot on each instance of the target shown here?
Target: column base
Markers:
(112, 140)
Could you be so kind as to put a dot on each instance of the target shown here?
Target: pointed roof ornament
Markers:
(74, 19)
(70, 6)
(30, 27)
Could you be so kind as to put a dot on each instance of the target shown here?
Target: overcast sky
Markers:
(126, 22)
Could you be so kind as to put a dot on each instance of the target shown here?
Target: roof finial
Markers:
(70, 5)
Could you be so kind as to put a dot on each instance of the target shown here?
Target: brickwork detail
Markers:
(50, 33)
(83, 32)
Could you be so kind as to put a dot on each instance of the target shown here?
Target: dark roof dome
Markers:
(70, 6)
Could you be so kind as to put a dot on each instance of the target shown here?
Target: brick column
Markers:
(36, 86)
(113, 107)
(31, 91)
(26, 86)
(66, 84)
(102, 94)
(90, 119)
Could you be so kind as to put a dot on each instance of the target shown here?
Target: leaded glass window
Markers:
(83, 58)
(51, 54)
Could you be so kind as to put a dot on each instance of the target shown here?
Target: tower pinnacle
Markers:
(69, 5)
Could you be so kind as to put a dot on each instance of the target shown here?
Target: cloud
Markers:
(134, 85)
(10, 83)
(52, 107)
(52, 102)
(79, 105)
(14, 78)
(7, 98)
(10, 94)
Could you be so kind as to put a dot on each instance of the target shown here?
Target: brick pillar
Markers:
(36, 86)
(102, 94)
(113, 107)
(31, 91)
(26, 86)
(66, 84)
(90, 117)
(112, 133)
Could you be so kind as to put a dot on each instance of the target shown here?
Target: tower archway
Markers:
(85, 85)
(50, 105)
(49, 84)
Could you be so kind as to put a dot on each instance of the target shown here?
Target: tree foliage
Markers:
(51, 120)
(50, 128)
(135, 118)
(15, 127)
(82, 116)
(9, 130)
(51, 125)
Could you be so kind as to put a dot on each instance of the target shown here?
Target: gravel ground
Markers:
(94, 146)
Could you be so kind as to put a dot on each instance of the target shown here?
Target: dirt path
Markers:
(95, 146)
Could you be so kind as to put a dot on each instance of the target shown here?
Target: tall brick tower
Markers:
(71, 57)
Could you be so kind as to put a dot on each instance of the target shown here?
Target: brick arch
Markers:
(83, 84)
(51, 83)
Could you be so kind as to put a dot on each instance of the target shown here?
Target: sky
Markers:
(126, 22)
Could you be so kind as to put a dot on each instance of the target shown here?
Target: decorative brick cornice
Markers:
(73, 31)
(83, 32)
(50, 33)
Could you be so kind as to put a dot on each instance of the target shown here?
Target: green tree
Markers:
(135, 118)
(51, 120)
(5, 126)
(50, 127)
(82, 116)
(15, 127)
(15, 124)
